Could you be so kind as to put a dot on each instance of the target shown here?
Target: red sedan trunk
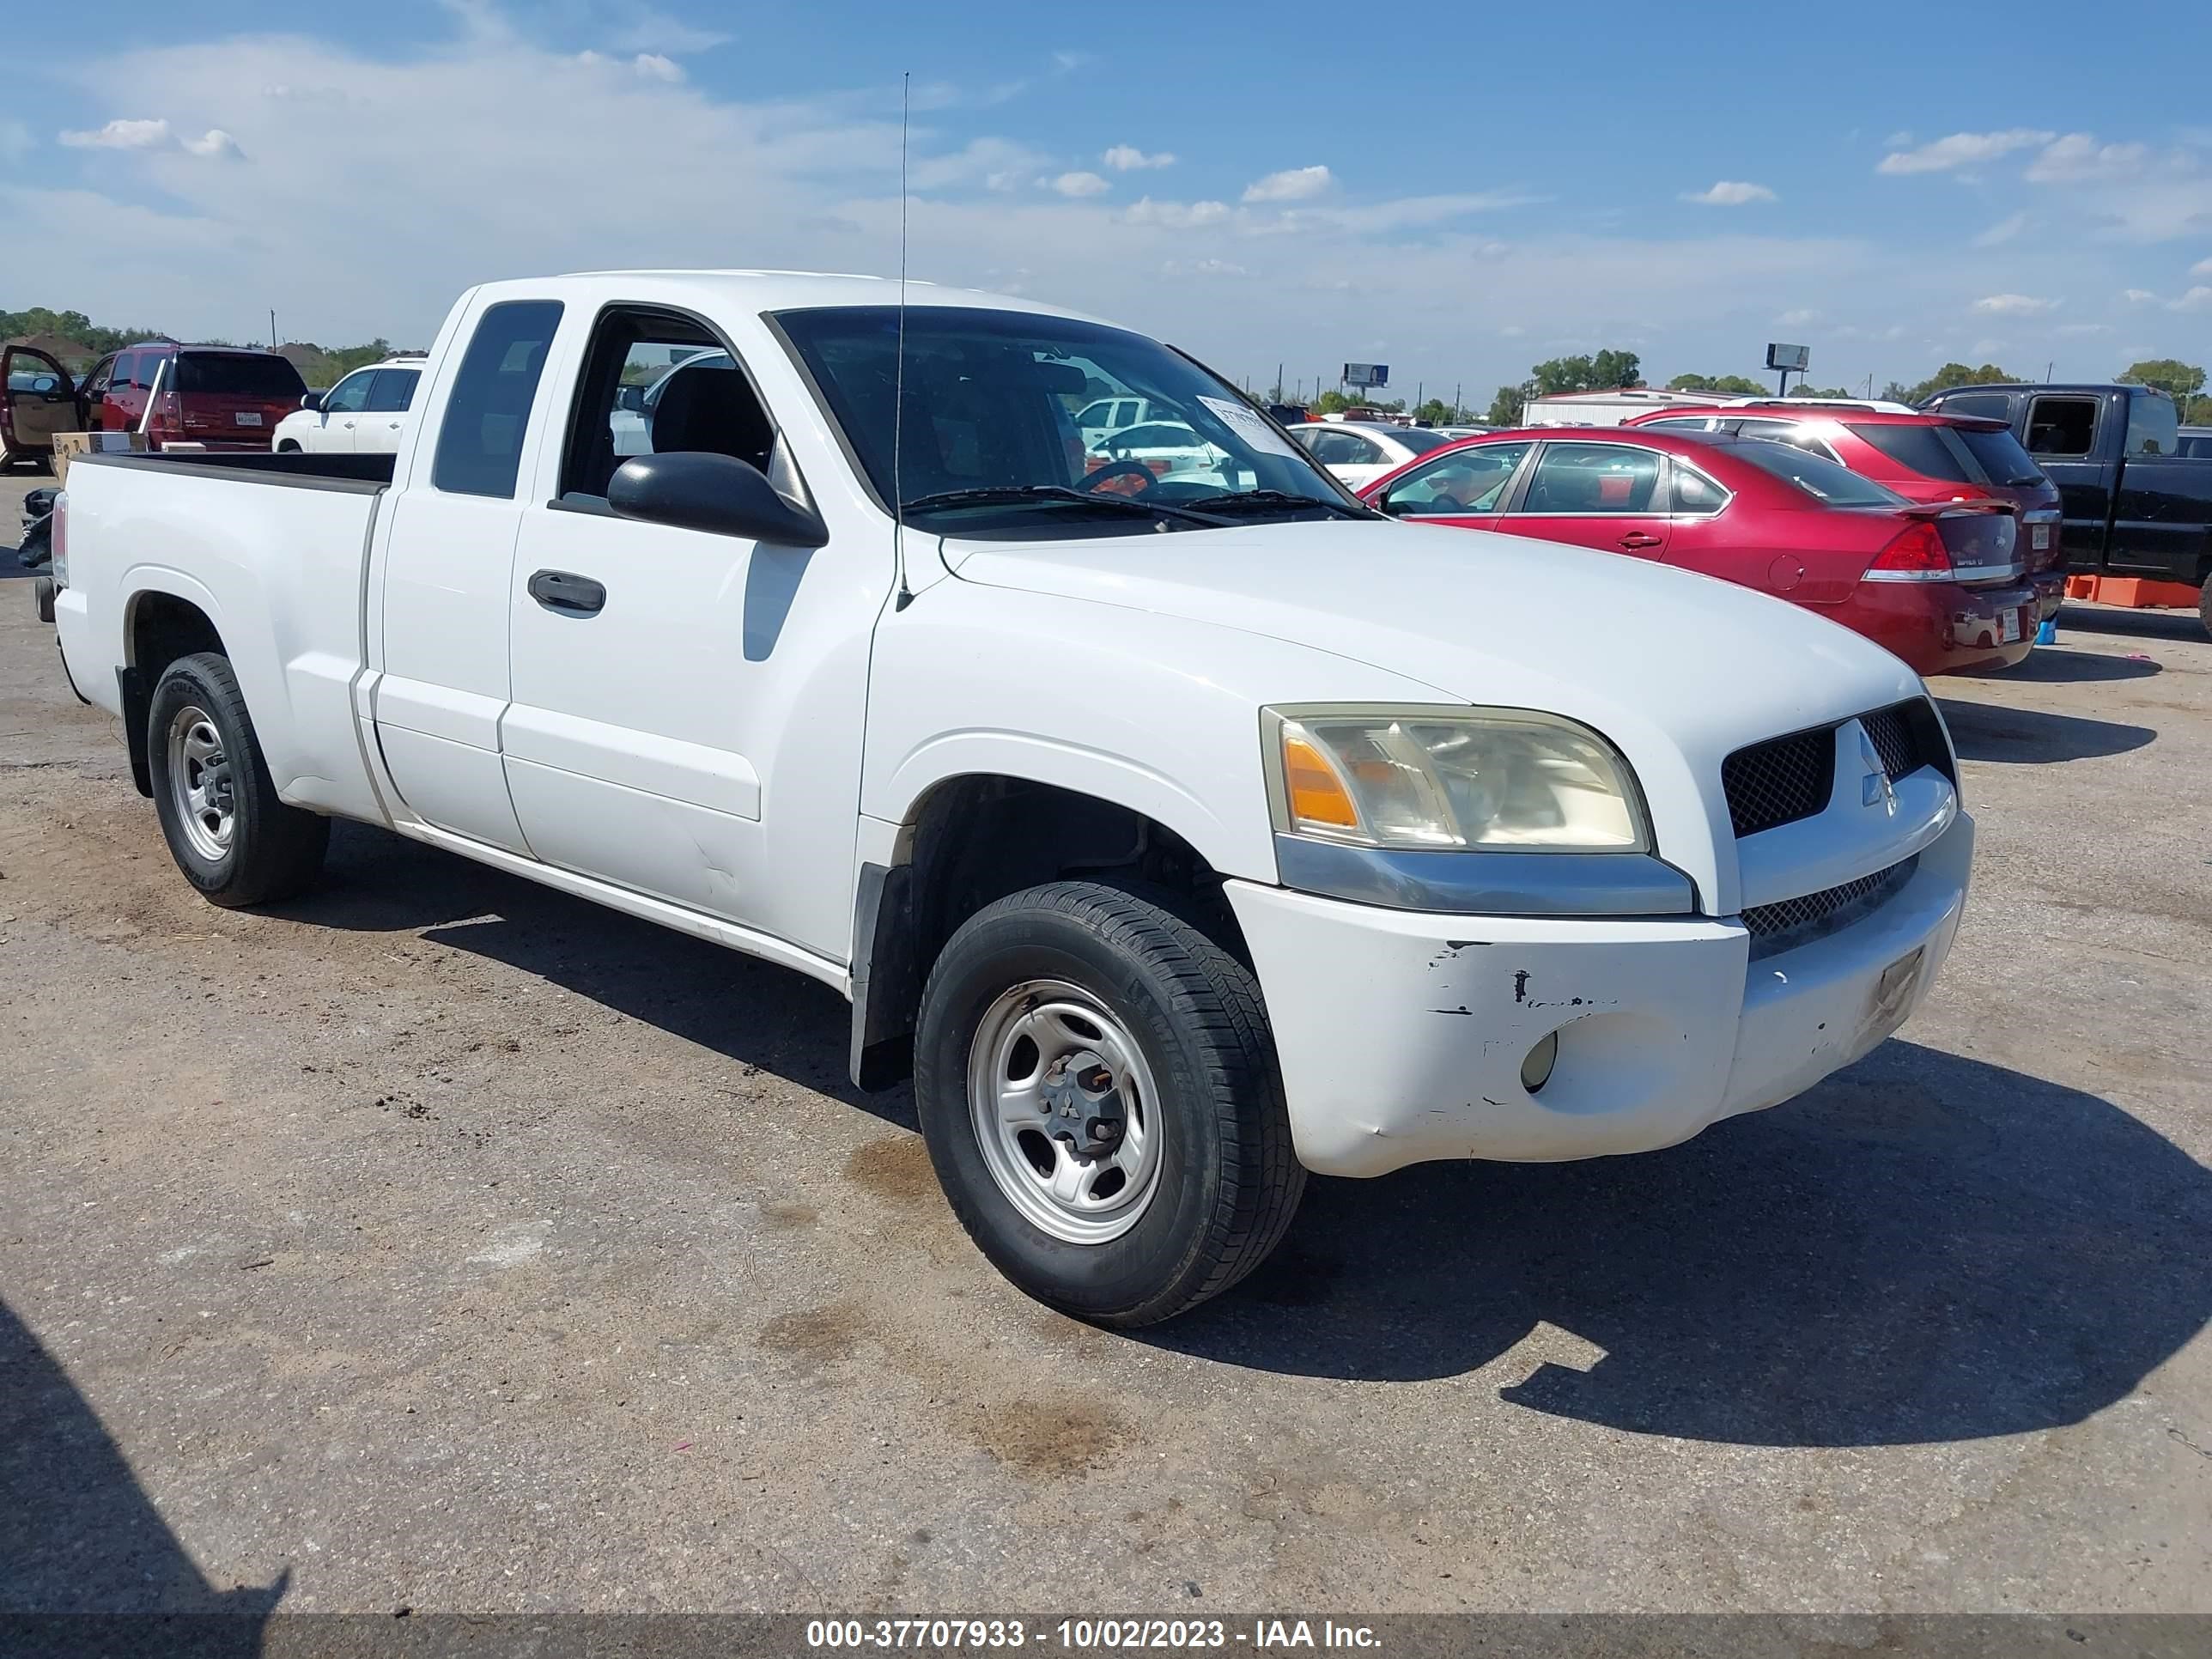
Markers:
(1941, 584)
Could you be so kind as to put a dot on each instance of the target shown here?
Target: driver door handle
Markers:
(569, 594)
(1638, 538)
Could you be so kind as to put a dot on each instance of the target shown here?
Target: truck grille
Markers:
(1788, 923)
(1786, 779)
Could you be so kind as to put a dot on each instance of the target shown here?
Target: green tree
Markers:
(1731, 383)
(1896, 391)
(1800, 390)
(1958, 374)
(1611, 369)
(1331, 402)
(1510, 404)
(1436, 412)
(2180, 380)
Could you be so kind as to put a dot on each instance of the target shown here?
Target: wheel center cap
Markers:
(1081, 1104)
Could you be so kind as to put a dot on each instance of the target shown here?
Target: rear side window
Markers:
(480, 440)
(1824, 481)
(2153, 426)
(1591, 478)
(1986, 405)
(2061, 426)
(126, 372)
(269, 380)
(1918, 449)
(391, 391)
(2001, 455)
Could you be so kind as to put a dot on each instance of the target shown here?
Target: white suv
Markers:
(364, 413)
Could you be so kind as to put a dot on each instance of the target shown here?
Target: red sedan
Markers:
(1941, 585)
(1923, 458)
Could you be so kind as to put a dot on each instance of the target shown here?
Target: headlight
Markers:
(1450, 778)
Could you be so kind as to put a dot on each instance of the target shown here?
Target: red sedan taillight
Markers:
(1917, 555)
(166, 422)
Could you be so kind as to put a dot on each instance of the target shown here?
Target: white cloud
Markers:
(2004, 231)
(2077, 158)
(1901, 139)
(1291, 184)
(1962, 149)
(657, 68)
(997, 164)
(2198, 299)
(2137, 296)
(214, 141)
(1175, 215)
(2201, 268)
(2084, 328)
(1080, 184)
(1513, 331)
(121, 135)
(1123, 158)
(1729, 192)
(2014, 304)
(1799, 317)
(644, 29)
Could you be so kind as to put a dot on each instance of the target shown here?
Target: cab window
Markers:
(488, 410)
(2061, 426)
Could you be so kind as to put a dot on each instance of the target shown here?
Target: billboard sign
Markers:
(1367, 374)
(1794, 358)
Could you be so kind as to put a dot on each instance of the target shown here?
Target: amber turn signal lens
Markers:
(1316, 796)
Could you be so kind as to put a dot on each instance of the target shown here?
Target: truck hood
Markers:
(1625, 645)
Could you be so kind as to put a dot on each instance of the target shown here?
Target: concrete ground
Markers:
(441, 1241)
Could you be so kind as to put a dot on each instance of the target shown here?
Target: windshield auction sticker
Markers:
(1247, 424)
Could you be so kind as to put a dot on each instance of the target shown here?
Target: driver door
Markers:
(40, 400)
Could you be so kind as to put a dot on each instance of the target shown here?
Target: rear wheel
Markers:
(287, 447)
(2204, 604)
(1098, 1086)
(227, 829)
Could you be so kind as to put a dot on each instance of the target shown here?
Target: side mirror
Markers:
(312, 400)
(697, 490)
(631, 398)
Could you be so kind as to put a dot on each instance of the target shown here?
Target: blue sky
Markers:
(1455, 189)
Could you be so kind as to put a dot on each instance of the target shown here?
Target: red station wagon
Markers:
(1923, 458)
(1940, 584)
(217, 397)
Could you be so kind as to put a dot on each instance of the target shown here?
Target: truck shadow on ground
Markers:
(1925, 1247)
(79, 1536)
(2052, 665)
(2029, 737)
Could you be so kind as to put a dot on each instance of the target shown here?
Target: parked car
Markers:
(38, 399)
(1178, 844)
(1104, 417)
(363, 414)
(218, 397)
(1168, 449)
(1460, 431)
(1358, 453)
(2136, 504)
(1923, 458)
(1942, 585)
(1288, 413)
(1614, 407)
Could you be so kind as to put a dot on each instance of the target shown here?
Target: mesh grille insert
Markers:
(1789, 922)
(1780, 780)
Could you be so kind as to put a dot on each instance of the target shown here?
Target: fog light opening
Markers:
(1536, 1065)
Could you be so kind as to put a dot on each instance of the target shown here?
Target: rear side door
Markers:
(1595, 493)
(123, 400)
(688, 705)
(2062, 432)
(440, 634)
(383, 415)
(40, 400)
(2160, 508)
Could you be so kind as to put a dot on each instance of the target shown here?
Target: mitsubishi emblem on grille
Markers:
(1875, 785)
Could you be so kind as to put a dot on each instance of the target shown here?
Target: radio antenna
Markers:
(898, 370)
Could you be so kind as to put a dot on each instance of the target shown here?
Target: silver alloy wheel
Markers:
(1065, 1111)
(200, 782)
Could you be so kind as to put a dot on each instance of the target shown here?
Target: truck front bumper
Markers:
(1401, 1033)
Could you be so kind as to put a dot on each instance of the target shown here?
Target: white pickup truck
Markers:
(1180, 837)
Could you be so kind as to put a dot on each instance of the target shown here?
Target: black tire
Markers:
(1228, 1181)
(287, 447)
(2204, 604)
(274, 851)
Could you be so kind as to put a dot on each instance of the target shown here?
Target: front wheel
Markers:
(2204, 604)
(229, 833)
(1098, 1086)
(287, 447)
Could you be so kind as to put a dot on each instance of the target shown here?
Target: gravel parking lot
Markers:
(442, 1241)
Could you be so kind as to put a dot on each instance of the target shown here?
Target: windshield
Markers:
(993, 405)
(1926, 450)
(1419, 439)
(2001, 456)
(238, 375)
(1817, 476)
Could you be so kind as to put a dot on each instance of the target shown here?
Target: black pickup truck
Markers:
(2138, 501)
